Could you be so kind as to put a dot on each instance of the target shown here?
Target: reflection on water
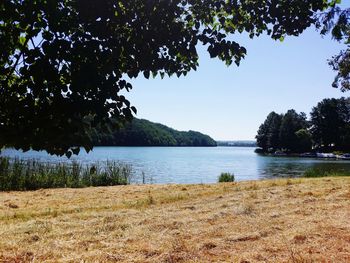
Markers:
(195, 164)
(291, 167)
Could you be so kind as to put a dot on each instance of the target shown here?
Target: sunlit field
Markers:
(285, 220)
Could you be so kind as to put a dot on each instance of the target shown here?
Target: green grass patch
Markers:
(316, 172)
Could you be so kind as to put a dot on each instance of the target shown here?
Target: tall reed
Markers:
(16, 174)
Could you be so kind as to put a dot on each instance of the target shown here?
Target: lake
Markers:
(193, 164)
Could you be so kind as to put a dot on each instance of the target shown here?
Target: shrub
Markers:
(226, 177)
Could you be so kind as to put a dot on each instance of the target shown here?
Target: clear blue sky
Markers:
(229, 103)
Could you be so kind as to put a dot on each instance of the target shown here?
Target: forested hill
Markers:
(145, 133)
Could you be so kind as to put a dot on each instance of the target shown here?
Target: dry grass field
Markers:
(287, 220)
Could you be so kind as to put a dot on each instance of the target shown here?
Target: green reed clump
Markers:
(226, 177)
(112, 173)
(16, 174)
(316, 172)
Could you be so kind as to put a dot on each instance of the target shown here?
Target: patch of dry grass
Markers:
(294, 220)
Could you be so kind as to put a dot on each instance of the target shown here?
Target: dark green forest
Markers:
(145, 133)
(327, 130)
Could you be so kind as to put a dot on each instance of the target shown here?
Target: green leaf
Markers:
(133, 109)
(22, 40)
(146, 74)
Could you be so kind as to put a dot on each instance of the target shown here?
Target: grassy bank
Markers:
(16, 174)
(287, 220)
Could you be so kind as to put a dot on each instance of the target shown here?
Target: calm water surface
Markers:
(194, 164)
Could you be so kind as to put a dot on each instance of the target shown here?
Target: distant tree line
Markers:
(237, 143)
(328, 129)
(145, 133)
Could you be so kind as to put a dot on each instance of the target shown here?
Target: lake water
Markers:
(194, 164)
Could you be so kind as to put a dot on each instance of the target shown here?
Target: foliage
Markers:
(145, 133)
(291, 123)
(283, 132)
(268, 133)
(31, 175)
(226, 177)
(63, 63)
(303, 140)
(337, 21)
(328, 129)
(331, 123)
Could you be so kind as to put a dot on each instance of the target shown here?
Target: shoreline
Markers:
(297, 155)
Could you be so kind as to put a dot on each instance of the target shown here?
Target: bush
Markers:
(16, 174)
(226, 177)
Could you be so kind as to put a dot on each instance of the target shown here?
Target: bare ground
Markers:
(287, 220)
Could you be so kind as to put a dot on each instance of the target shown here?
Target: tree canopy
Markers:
(269, 132)
(331, 123)
(337, 21)
(283, 132)
(63, 63)
(327, 130)
(291, 123)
